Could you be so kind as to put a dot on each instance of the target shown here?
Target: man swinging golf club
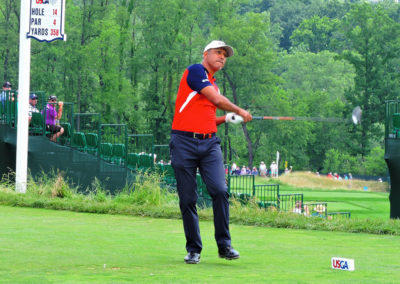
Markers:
(194, 145)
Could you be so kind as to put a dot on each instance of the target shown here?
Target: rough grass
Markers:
(148, 198)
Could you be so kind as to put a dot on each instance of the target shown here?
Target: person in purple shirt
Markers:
(52, 116)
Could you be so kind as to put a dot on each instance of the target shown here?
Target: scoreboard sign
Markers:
(46, 21)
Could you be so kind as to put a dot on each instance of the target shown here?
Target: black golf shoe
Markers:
(192, 258)
(228, 253)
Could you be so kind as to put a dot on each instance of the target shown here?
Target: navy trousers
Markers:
(188, 154)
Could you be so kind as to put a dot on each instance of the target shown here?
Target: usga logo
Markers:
(342, 263)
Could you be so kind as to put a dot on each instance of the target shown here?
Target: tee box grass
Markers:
(47, 246)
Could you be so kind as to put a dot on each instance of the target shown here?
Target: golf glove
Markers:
(233, 118)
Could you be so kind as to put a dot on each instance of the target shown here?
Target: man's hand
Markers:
(233, 118)
(245, 115)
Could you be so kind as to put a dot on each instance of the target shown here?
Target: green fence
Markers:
(291, 203)
(9, 107)
(316, 209)
(392, 119)
(339, 215)
(267, 196)
(241, 185)
(161, 154)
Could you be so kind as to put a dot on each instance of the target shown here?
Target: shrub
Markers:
(374, 163)
(341, 162)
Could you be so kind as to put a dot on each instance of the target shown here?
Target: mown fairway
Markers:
(359, 203)
(45, 246)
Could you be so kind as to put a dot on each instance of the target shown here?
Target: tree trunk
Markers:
(246, 134)
(249, 145)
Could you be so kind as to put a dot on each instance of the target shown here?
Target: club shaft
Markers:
(321, 119)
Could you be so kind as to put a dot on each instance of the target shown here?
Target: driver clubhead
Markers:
(356, 115)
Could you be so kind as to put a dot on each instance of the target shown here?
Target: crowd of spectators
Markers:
(337, 176)
(262, 170)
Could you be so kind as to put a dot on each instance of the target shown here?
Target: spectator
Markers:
(263, 169)
(319, 211)
(329, 175)
(317, 173)
(297, 207)
(286, 171)
(306, 210)
(51, 116)
(248, 171)
(274, 169)
(350, 176)
(234, 168)
(243, 171)
(346, 177)
(254, 171)
(32, 106)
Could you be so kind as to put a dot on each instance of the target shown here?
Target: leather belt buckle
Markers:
(202, 136)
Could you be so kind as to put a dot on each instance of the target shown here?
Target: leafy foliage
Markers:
(317, 58)
(374, 163)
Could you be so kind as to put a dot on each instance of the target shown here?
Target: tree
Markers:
(316, 84)
(374, 163)
(289, 14)
(248, 75)
(372, 46)
(9, 35)
(315, 33)
(338, 162)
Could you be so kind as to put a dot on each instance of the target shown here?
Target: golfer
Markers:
(194, 145)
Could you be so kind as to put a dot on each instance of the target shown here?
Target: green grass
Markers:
(360, 204)
(151, 200)
(47, 246)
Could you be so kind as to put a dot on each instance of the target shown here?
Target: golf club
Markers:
(355, 118)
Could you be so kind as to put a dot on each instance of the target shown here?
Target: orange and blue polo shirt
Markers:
(193, 111)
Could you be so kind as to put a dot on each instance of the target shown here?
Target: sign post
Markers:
(277, 163)
(23, 100)
(42, 20)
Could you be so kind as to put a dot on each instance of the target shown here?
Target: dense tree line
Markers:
(311, 58)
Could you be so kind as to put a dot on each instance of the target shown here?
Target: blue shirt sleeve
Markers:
(197, 78)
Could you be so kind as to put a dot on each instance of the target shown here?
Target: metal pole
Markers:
(23, 99)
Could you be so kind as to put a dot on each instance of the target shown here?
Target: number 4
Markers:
(55, 23)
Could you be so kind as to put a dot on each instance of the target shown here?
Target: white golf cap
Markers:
(219, 44)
